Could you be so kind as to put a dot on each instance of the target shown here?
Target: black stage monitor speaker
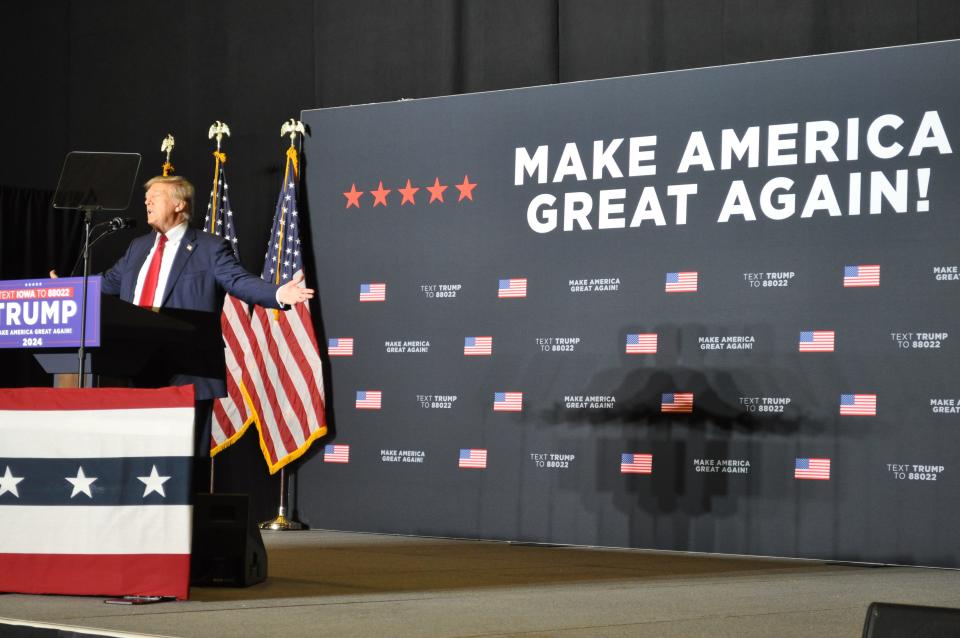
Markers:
(227, 547)
(887, 620)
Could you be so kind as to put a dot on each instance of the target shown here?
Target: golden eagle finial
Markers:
(218, 129)
(292, 127)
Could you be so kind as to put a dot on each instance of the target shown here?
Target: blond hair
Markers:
(180, 188)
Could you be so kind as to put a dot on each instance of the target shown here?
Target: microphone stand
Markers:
(88, 224)
(114, 226)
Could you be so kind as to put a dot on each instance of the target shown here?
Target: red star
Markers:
(408, 194)
(380, 195)
(466, 189)
(353, 196)
(436, 191)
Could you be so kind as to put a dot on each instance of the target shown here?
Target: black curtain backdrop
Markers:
(119, 75)
(27, 213)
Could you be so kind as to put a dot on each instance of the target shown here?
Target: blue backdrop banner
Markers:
(710, 310)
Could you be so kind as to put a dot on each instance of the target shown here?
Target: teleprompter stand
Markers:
(91, 182)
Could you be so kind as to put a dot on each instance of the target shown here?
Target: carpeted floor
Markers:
(342, 584)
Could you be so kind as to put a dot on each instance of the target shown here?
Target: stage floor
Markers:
(345, 584)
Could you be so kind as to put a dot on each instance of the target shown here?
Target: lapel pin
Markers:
(189, 246)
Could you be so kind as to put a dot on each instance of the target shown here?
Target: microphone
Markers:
(121, 222)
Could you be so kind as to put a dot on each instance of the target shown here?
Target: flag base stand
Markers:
(281, 523)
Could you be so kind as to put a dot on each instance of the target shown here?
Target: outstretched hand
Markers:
(292, 293)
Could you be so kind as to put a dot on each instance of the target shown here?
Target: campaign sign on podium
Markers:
(45, 313)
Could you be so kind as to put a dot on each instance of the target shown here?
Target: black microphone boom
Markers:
(115, 224)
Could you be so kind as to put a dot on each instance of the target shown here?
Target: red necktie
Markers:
(153, 275)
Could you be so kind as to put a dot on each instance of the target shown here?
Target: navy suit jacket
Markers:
(203, 270)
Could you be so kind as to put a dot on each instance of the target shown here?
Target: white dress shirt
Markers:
(174, 235)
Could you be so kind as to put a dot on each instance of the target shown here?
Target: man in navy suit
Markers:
(178, 267)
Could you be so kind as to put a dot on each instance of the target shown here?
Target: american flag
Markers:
(288, 395)
(508, 288)
(817, 469)
(340, 347)
(681, 282)
(642, 343)
(473, 346)
(676, 402)
(861, 276)
(816, 341)
(858, 404)
(472, 458)
(373, 292)
(368, 399)
(336, 454)
(636, 464)
(231, 414)
(507, 401)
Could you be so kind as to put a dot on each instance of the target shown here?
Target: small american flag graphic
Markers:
(512, 288)
(816, 469)
(864, 276)
(340, 347)
(336, 454)
(472, 458)
(368, 399)
(507, 401)
(373, 292)
(642, 343)
(477, 346)
(858, 404)
(676, 402)
(681, 282)
(636, 463)
(817, 341)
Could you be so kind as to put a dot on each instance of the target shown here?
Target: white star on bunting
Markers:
(8, 483)
(81, 483)
(154, 483)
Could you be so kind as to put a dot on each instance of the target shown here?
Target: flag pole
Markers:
(281, 522)
(217, 130)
